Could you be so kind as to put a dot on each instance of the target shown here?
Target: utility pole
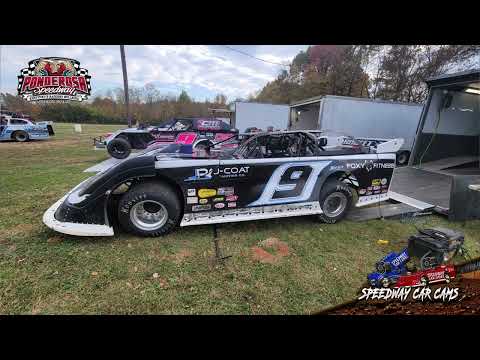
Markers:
(125, 84)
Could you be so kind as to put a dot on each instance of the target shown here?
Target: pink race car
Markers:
(197, 134)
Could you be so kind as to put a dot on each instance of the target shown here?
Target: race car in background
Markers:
(271, 175)
(22, 130)
(199, 133)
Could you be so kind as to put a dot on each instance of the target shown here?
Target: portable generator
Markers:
(435, 246)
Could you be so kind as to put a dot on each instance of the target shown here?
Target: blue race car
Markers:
(389, 269)
(24, 129)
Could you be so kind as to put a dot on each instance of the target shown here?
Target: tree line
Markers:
(147, 105)
(393, 72)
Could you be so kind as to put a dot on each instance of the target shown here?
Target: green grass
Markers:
(45, 272)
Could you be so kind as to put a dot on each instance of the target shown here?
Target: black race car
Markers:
(199, 133)
(271, 175)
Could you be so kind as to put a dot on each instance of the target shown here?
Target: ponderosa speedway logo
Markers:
(54, 79)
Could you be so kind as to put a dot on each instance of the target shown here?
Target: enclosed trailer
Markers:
(245, 115)
(360, 117)
(444, 171)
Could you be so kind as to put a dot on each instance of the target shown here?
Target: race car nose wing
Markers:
(73, 228)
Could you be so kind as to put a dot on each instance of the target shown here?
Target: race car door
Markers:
(270, 173)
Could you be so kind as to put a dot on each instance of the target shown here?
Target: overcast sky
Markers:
(203, 71)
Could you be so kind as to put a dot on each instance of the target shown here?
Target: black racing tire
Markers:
(119, 148)
(403, 157)
(424, 280)
(20, 136)
(335, 191)
(149, 199)
(385, 282)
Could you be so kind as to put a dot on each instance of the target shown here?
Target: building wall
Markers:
(261, 116)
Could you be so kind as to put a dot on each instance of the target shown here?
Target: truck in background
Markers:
(368, 120)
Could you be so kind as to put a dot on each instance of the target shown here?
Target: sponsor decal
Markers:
(362, 191)
(222, 172)
(192, 200)
(206, 193)
(218, 199)
(232, 198)
(377, 192)
(369, 188)
(203, 201)
(201, 207)
(220, 205)
(376, 188)
(369, 165)
(368, 193)
(226, 191)
(336, 167)
(209, 125)
(54, 79)
(232, 204)
(384, 181)
(191, 192)
(376, 182)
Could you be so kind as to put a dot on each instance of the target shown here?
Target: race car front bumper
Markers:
(99, 143)
(78, 229)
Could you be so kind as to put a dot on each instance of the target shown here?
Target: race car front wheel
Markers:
(119, 148)
(335, 201)
(149, 209)
(20, 136)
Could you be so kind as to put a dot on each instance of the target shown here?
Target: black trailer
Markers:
(443, 172)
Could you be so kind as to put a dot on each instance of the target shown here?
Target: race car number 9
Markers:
(291, 182)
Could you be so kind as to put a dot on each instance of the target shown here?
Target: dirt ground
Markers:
(467, 303)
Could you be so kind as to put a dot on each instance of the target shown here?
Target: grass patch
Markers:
(44, 272)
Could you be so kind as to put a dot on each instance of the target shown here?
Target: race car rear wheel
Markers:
(149, 209)
(20, 136)
(424, 281)
(385, 282)
(335, 201)
(119, 148)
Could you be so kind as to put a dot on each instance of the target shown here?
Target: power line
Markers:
(254, 57)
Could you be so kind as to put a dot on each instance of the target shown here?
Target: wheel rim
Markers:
(335, 204)
(402, 159)
(21, 137)
(148, 215)
(117, 150)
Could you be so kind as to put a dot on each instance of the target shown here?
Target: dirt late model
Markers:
(198, 133)
(22, 130)
(270, 175)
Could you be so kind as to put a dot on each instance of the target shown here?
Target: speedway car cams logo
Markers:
(54, 79)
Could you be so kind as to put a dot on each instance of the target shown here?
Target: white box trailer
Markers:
(360, 117)
(259, 115)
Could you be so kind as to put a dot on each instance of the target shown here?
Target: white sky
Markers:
(202, 70)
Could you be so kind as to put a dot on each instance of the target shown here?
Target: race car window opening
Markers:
(18, 122)
(278, 146)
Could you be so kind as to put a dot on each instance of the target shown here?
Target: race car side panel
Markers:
(245, 184)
